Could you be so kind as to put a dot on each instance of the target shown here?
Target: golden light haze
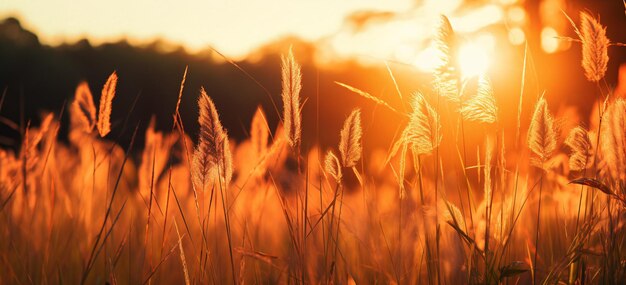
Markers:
(234, 27)
(397, 30)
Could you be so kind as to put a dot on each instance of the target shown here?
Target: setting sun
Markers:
(473, 60)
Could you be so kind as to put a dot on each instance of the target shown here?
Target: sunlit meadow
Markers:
(539, 202)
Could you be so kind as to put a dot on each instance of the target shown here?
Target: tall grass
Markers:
(425, 211)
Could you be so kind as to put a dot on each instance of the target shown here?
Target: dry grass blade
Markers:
(594, 184)
(106, 99)
(258, 255)
(291, 78)
(482, 106)
(541, 133)
(367, 96)
(259, 132)
(182, 255)
(350, 139)
(83, 110)
(580, 144)
(212, 143)
(332, 166)
(595, 47)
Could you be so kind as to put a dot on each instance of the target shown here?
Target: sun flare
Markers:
(473, 58)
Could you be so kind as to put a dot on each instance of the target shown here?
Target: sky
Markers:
(232, 26)
(398, 30)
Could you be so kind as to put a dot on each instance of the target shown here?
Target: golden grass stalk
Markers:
(212, 149)
(595, 47)
(488, 188)
(580, 144)
(422, 134)
(488, 191)
(446, 73)
(83, 108)
(482, 106)
(350, 139)
(332, 166)
(542, 142)
(613, 139)
(501, 160)
(291, 78)
(104, 112)
(541, 133)
(259, 132)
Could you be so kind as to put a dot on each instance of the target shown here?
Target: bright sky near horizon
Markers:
(234, 27)
(398, 30)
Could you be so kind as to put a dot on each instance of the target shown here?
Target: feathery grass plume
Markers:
(291, 78)
(83, 109)
(446, 73)
(595, 47)
(104, 113)
(402, 169)
(180, 93)
(613, 139)
(259, 132)
(226, 160)
(423, 133)
(542, 142)
(350, 141)
(541, 133)
(212, 143)
(332, 166)
(482, 106)
(454, 216)
(578, 140)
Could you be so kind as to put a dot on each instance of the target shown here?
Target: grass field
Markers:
(540, 203)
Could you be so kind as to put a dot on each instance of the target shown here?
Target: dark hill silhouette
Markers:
(45, 78)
